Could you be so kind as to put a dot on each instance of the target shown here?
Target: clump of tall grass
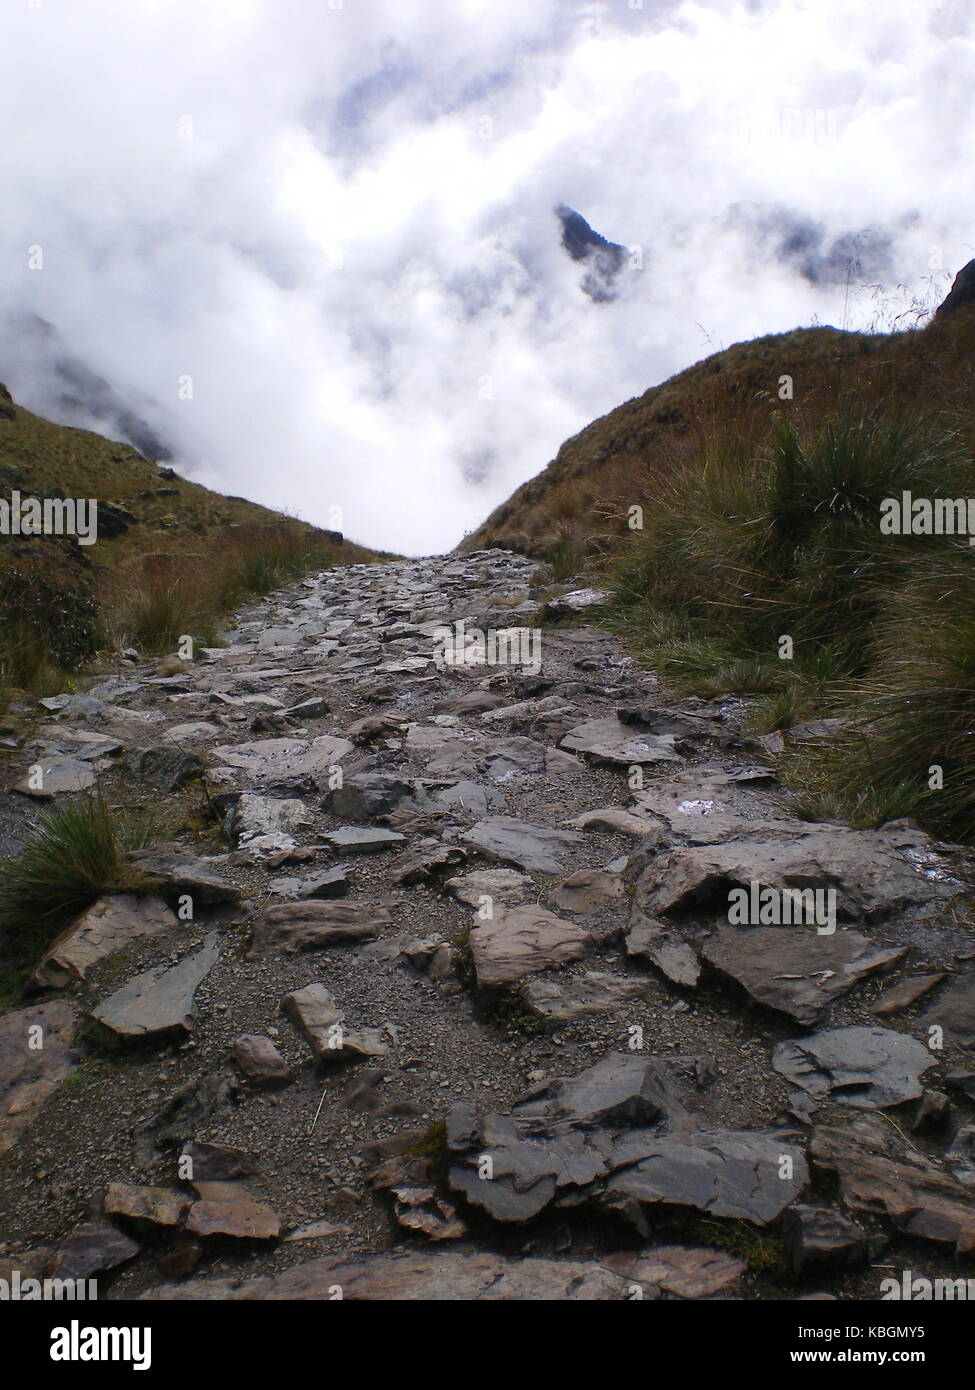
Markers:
(748, 548)
(76, 853)
(914, 745)
(743, 550)
(175, 598)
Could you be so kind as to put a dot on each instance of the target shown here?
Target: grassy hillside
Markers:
(577, 509)
(171, 556)
(756, 566)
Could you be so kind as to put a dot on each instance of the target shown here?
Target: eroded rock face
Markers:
(36, 1054)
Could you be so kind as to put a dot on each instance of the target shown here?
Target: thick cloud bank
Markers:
(313, 244)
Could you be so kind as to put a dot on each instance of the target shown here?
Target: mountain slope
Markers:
(579, 503)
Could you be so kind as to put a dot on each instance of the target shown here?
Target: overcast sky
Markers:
(336, 218)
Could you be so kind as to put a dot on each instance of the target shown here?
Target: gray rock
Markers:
(164, 767)
(333, 883)
(354, 839)
(955, 1012)
(54, 776)
(313, 925)
(89, 1250)
(313, 1012)
(160, 1001)
(867, 1068)
(178, 874)
(366, 795)
(820, 1236)
(536, 848)
(29, 1073)
(618, 744)
(731, 1173)
(503, 887)
(577, 601)
(794, 970)
(596, 992)
(261, 1062)
(111, 924)
(449, 1276)
(283, 765)
(879, 1172)
(865, 868)
(673, 957)
(521, 941)
(267, 823)
(589, 891)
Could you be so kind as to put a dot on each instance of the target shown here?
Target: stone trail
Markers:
(462, 964)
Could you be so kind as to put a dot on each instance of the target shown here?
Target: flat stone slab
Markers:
(520, 941)
(867, 1068)
(793, 969)
(284, 764)
(535, 848)
(314, 1013)
(36, 1054)
(179, 874)
(56, 776)
(111, 924)
(161, 1000)
(903, 994)
(90, 1250)
(488, 887)
(444, 1276)
(870, 876)
(312, 925)
(359, 839)
(955, 1012)
(596, 992)
(617, 1136)
(879, 1171)
(153, 1206)
(333, 883)
(227, 1210)
(588, 890)
(618, 744)
(728, 1173)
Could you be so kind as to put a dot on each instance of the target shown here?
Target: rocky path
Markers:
(463, 1005)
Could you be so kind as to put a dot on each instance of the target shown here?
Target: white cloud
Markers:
(355, 257)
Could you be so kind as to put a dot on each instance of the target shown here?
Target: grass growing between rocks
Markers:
(767, 576)
(76, 853)
(177, 597)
